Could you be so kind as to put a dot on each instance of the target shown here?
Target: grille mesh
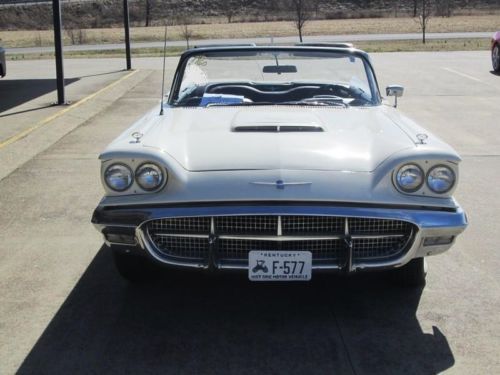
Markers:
(246, 224)
(377, 226)
(368, 248)
(308, 225)
(392, 236)
(183, 247)
(181, 225)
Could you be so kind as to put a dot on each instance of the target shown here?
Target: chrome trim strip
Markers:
(184, 235)
(282, 184)
(276, 238)
(370, 236)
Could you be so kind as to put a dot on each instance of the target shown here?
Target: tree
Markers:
(415, 8)
(301, 14)
(186, 31)
(150, 4)
(425, 15)
(229, 9)
(444, 8)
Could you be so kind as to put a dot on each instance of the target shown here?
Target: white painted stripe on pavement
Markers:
(462, 74)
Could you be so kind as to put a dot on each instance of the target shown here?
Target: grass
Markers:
(372, 46)
(262, 29)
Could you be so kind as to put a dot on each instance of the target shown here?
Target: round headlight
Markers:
(118, 177)
(440, 179)
(149, 176)
(410, 178)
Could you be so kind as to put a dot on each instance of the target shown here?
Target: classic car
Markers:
(280, 162)
(495, 51)
(3, 65)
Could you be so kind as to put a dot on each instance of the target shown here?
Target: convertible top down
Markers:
(279, 161)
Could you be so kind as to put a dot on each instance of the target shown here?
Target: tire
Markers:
(412, 274)
(134, 268)
(495, 58)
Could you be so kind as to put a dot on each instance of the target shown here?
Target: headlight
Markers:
(440, 179)
(118, 177)
(149, 176)
(410, 178)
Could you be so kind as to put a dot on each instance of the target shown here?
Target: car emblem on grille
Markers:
(280, 184)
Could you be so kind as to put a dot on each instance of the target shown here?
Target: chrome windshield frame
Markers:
(186, 56)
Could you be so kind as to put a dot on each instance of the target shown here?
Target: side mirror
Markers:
(396, 91)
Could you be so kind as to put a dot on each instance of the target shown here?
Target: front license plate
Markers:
(279, 265)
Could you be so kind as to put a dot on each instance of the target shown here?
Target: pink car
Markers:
(495, 51)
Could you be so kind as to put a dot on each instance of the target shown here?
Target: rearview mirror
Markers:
(396, 91)
(278, 69)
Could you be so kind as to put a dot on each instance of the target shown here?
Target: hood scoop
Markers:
(271, 120)
(277, 128)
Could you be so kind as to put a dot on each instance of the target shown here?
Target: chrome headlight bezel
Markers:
(127, 169)
(163, 176)
(433, 169)
(398, 173)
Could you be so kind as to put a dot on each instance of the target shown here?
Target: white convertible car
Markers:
(280, 162)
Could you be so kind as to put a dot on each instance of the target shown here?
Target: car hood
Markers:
(263, 138)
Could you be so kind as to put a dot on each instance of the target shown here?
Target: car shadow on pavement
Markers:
(223, 324)
(14, 92)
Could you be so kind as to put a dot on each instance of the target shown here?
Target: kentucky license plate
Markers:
(279, 265)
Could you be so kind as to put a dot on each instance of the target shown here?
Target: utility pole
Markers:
(56, 11)
(126, 23)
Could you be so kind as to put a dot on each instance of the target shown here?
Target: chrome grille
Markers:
(369, 248)
(246, 224)
(181, 247)
(181, 225)
(230, 238)
(377, 226)
(312, 224)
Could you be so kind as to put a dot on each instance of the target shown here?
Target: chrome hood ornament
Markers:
(137, 136)
(280, 184)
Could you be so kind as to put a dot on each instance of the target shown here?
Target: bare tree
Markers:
(316, 4)
(302, 14)
(150, 4)
(425, 15)
(415, 8)
(229, 9)
(444, 8)
(186, 31)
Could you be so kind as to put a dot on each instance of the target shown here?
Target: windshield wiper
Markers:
(239, 104)
(317, 103)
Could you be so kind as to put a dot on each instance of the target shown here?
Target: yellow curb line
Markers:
(25, 132)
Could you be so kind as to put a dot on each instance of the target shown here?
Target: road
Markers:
(267, 40)
(64, 309)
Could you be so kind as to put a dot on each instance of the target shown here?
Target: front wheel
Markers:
(495, 58)
(412, 274)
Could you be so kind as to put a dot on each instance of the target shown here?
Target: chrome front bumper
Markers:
(436, 229)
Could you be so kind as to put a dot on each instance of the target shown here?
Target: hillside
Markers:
(108, 13)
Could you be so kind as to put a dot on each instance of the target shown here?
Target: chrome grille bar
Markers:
(338, 240)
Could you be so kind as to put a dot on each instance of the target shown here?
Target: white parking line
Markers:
(462, 74)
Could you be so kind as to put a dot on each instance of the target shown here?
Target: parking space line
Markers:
(47, 120)
(462, 74)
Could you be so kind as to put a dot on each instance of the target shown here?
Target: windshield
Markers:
(275, 77)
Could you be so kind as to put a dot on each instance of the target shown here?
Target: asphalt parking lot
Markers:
(64, 309)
